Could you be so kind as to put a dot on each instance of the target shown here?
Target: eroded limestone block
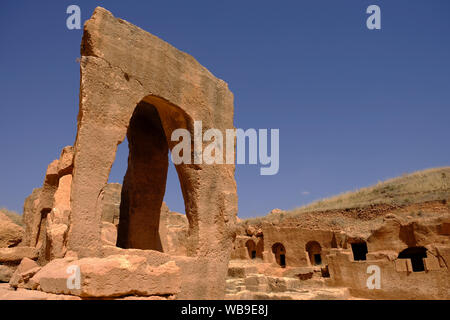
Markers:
(56, 235)
(113, 276)
(257, 282)
(11, 234)
(382, 255)
(282, 284)
(65, 162)
(16, 254)
(401, 265)
(173, 231)
(241, 271)
(109, 233)
(431, 263)
(110, 203)
(24, 272)
(31, 217)
(6, 271)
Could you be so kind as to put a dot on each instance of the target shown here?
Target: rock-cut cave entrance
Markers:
(359, 250)
(255, 250)
(416, 254)
(251, 248)
(144, 184)
(314, 251)
(279, 251)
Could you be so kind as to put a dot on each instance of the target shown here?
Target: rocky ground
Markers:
(387, 228)
(254, 280)
(8, 293)
(244, 282)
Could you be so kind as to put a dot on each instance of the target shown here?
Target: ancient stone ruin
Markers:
(332, 254)
(134, 85)
(86, 238)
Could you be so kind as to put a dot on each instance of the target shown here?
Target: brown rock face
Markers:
(17, 254)
(109, 233)
(31, 217)
(11, 234)
(113, 276)
(173, 231)
(7, 271)
(10, 259)
(144, 184)
(134, 84)
(110, 203)
(47, 210)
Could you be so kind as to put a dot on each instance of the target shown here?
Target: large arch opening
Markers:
(144, 183)
(280, 254)
(416, 255)
(314, 253)
(173, 196)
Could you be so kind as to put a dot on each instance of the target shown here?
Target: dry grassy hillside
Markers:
(421, 186)
(14, 216)
(418, 187)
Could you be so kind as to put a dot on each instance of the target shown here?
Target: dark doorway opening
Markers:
(314, 253)
(282, 260)
(359, 251)
(317, 259)
(416, 255)
(251, 248)
(280, 254)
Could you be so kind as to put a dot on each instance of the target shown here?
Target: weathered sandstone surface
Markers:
(113, 276)
(11, 234)
(85, 238)
(333, 249)
(135, 85)
(24, 272)
(10, 259)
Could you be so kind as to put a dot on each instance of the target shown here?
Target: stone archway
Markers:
(129, 76)
(279, 251)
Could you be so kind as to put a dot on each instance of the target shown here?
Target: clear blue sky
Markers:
(353, 106)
